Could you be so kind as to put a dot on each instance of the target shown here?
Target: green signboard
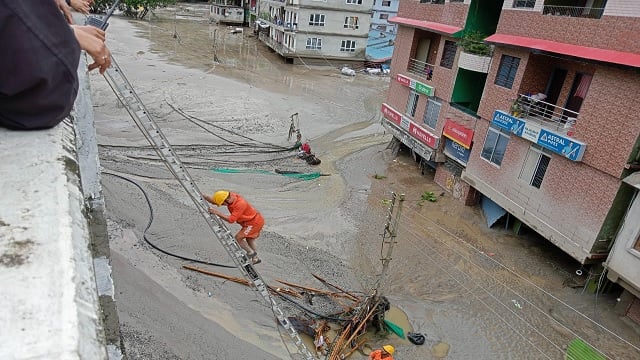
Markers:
(424, 89)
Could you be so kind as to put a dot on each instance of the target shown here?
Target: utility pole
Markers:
(389, 235)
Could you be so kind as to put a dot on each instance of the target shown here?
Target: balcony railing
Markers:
(573, 11)
(421, 69)
(544, 113)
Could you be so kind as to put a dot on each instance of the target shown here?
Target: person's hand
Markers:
(82, 6)
(91, 40)
(66, 10)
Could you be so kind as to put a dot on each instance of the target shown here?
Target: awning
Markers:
(426, 25)
(584, 52)
(633, 180)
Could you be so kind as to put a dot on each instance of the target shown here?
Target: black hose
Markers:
(144, 233)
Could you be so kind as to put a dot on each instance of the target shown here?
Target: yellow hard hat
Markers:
(220, 196)
(390, 349)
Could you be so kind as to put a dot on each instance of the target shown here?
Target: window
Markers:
(495, 145)
(316, 20)
(432, 112)
(386, 3)
(412, 103)
(351, 22)
(384, 16)
(348, 45)
(507, 71)
(355, 2)
(524, 3)
(448, 54)
(314, 44)
(535, 166)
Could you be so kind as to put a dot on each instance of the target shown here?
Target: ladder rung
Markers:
(152, 132)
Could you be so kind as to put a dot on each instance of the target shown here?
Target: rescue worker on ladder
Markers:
(386, 353)
(243, 213)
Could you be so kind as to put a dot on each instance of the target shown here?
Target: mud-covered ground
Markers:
(474, 292)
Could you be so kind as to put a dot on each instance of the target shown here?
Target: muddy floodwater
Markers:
(225, 102)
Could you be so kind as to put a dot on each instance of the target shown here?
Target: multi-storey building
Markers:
(540, 118)
(383, 10)
(228, 12)
(325, 30)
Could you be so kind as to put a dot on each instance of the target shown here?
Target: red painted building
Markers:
(526, 104)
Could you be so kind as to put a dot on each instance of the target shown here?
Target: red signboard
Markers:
(458, 133)
(403, 80)
(423, 135)
(391, 114)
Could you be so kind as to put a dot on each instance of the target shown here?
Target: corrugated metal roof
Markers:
(426, 25)
(584, 52)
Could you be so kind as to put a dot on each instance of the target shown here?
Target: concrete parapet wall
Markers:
(53, 243)
(49, 297)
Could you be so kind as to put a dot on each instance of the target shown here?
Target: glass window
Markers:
(524, 3)
(448, 54)
(316, 20)
(384, 16)
(348, 45)
(507, 71)
(386, 2)
(535, 166)
(357, 2)
(314, 44)
(351, 22)
(432, 112)
(495, 145)
(412, 103)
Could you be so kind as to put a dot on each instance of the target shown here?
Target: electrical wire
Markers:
(144, 232)
(416, 235)
(479, 252)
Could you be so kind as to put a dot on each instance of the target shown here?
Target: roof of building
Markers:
(380, 45)
(426, 25)
(608, 56)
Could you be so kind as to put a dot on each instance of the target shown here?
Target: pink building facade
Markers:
(541, 120)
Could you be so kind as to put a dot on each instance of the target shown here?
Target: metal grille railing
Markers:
(544, 113)
(573, 11)
(420, 68)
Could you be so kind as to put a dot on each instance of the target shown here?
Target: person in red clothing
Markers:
(243, 213)
(385, 353)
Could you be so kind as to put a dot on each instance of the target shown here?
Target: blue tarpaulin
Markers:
(492, 211)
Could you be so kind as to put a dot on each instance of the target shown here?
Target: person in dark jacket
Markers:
(38, 68)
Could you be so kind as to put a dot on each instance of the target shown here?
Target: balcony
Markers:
(420, 69)
(547, 115)
(474, 62)
(573, 11)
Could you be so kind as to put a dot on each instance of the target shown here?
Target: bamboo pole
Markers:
(348, 353)
(353, 297)
(317, 291)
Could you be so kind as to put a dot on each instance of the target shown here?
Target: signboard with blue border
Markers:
(456, 151)
(560, 144)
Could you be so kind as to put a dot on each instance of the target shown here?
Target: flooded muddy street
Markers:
(476, 293)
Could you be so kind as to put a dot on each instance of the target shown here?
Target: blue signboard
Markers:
(564, 146)
(456, 151)
(504, 120)
(560, 144)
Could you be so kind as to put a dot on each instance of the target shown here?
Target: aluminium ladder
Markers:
(125, 93)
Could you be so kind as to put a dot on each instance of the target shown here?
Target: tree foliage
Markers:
(134, 8)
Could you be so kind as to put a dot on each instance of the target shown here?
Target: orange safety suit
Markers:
(247, 216)
(377, 355)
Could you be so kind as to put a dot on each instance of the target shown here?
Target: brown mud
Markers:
(474, 292)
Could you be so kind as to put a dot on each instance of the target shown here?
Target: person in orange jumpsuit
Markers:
(385, 353)
(244, 214)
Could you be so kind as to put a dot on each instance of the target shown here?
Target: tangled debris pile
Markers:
(337, 321)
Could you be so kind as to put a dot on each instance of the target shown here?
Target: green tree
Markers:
(133, 8)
